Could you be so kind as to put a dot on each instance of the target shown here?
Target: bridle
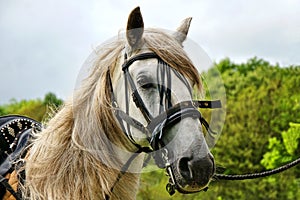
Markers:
(168, 114)
(168, 117)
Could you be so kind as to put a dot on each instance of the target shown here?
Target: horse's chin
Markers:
(187, 186)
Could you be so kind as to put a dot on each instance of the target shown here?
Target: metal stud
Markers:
(11, 131)
(19, 124)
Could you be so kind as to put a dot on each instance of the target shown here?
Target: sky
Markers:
(44, 43)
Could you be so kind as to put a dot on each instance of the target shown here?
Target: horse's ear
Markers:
(135, 28)
(182, 30)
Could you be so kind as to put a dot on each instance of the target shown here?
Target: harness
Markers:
(168, 114)
(15, 131)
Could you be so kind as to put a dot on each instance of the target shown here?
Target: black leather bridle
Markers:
(169, 114)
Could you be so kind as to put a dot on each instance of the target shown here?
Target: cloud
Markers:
(44, 43)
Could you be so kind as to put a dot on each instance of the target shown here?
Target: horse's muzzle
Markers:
(193, 174)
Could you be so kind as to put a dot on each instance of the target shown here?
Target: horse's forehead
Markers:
(148, 67)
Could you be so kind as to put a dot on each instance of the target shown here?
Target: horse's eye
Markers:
(147, 86)
(145, 82)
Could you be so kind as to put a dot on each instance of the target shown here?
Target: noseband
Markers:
(169, 114)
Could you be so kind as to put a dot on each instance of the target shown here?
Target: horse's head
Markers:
(152, 87)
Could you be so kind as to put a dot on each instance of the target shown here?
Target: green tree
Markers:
(281, 151)
(284, 149)
(2, 111)
(50, 99)
(29, 108)
(35, 109)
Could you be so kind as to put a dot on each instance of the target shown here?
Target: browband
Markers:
(142, 56)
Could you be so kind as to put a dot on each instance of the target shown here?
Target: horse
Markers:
(136, 100)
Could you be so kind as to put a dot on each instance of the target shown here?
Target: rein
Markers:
(258, 175)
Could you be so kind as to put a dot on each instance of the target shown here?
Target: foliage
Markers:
(284, 149)
(281, 151)
(50, 99)
(35, 109)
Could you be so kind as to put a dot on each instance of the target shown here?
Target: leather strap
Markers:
(208, 104)
(142, 56)
(4, 182)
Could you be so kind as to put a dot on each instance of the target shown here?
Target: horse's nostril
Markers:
(195, 170)
(185, 168)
